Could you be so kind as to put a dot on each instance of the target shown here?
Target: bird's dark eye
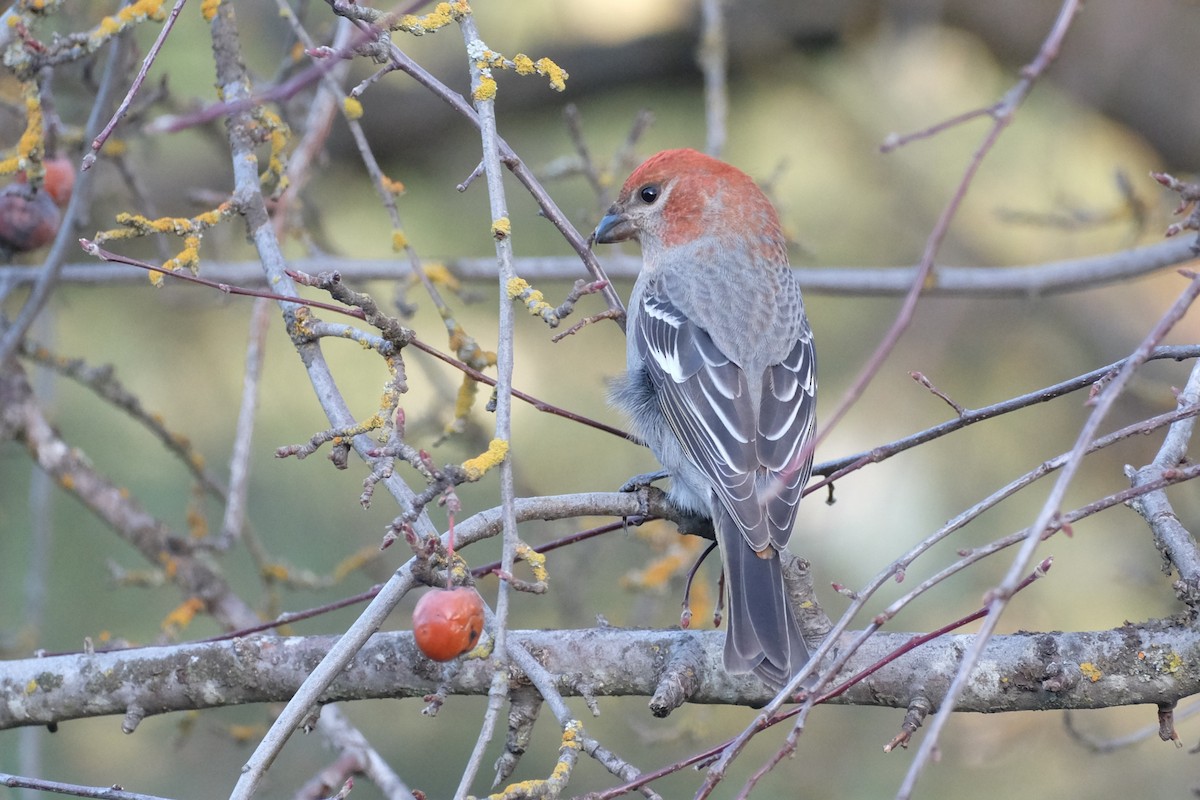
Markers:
(649, 193)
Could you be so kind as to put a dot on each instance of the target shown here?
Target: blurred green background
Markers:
(814, 88)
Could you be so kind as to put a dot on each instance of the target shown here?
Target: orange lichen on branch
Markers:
(244, 734)
(130, 15)
(189, 229)
(552, 786)
(182, 615)
(441, 16)
(486, 90)
(208, 9)
(441, 275)
(197, 522)
(275, 572)
(535, 560)
(352, 107)
(467, 349)
(274, 179)
(393, 186)
(487, 60)
(468, 390)
(477, 467)
(557, 75)
(31, 149)
(534, 300)
(35, 7)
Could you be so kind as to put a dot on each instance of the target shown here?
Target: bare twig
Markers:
(713, 57)
(485, 108)
(1172, 539)
(102, 137)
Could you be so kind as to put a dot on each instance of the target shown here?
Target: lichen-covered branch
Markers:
(1133, 664)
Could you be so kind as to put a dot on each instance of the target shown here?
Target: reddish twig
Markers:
(102, 137)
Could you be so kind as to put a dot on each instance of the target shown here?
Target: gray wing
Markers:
(750, 452)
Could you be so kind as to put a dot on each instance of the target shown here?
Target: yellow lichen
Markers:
(523, 64)
(1090, 671)
(190, 230)
(391, 186)
(535, 560)
(30, 148)
(279, 134)
(467, 391)
(275, 572)
(399, 240)
(481, 650)
(242, 734)
(486, 90)
(557, 75)
(352, 107)
(128, 16)
(516, 287)
(466, 348)
(208, 9)
(197, 523)
(533, 299)
(441, 275)
(477, 467)
(183, 614)
(502, 228)
(441, 16)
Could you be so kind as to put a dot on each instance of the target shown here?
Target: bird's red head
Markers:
(678, 196)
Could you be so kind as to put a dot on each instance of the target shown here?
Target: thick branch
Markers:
(1133, 664)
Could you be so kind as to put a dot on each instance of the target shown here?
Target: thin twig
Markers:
(102, 137)
(485, 107)
(713, 58)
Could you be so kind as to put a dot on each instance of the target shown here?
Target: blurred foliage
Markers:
(808, 120)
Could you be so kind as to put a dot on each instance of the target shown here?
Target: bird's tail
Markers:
(763, 636)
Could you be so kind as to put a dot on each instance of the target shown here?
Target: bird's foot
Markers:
(638, 482)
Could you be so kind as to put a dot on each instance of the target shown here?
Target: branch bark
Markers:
(1133, 664)
(1022, 280)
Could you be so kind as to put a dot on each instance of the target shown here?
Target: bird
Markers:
(721, 380)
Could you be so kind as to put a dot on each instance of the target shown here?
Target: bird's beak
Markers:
(615, 227)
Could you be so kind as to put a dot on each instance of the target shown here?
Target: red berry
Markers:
(448, 622)
(59, 180)
(28, 219)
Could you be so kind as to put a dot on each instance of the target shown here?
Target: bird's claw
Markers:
(639, 482)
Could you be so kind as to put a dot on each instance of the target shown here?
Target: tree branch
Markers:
(1023, 280)
(1133, 664)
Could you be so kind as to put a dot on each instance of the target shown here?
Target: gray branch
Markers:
(1052, 277)
(1134, 664)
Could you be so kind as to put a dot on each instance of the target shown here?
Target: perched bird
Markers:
(722, 380)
